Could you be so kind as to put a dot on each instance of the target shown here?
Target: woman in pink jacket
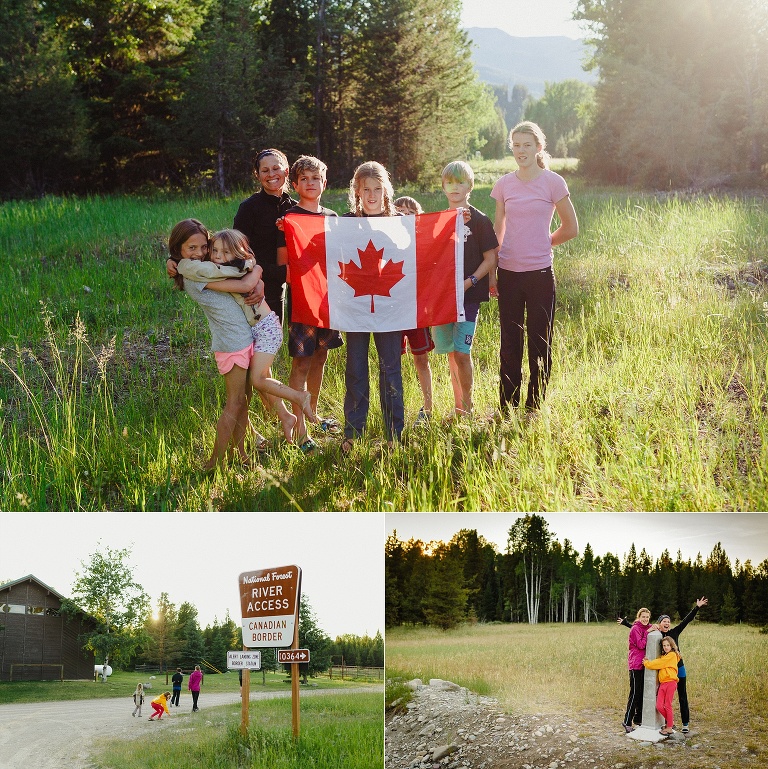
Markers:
(638, 638)
(193, 684)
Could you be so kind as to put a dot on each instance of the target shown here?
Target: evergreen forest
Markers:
(539, 579)
(106, 96)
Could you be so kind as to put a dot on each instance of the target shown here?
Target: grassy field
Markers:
(657, 401)
(580, 671)
(339, 731)
(123, 684)
(560, 668)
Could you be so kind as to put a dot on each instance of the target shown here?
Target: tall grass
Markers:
(570, 668)
(339, 731)
(657, 401)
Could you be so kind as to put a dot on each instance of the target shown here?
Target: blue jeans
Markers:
(357, 395)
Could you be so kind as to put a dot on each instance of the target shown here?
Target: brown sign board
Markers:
(285, 656)
(269, 600)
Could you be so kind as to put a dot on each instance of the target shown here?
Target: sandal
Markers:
(330, 425)
(346, 445)
(308, 447)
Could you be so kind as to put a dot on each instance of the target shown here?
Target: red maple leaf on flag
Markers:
(373, 277)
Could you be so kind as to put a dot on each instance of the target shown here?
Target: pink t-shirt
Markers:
(529, 208)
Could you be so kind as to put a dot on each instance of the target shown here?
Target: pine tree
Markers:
(41, 153)
(192, 641)
(314, 638)
(728, 611)
(164, 643)
(445, 598)
(128, 59)
(418, 102)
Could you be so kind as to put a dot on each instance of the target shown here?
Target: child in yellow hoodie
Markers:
(667, 667)
(160, 706)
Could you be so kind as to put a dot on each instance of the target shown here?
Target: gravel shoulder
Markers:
(61, 735)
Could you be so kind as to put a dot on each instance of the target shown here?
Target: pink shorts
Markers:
(226, 360)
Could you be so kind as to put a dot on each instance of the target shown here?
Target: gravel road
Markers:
(60, 735)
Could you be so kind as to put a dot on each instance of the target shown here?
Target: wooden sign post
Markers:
(294, 657)
(245, 701)
(269, 599)
(244, 662)
(295, 714)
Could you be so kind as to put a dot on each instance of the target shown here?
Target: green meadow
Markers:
(109, 393)
(123, 684)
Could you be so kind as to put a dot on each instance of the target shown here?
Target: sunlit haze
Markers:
(524, 18)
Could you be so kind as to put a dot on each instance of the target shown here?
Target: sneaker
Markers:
(685, 729)
(422, 418)
(628, 729)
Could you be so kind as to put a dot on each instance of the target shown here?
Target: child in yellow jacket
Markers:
(667, 667)
(160, 705)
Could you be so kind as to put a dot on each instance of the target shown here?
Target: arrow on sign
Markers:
(287, 656)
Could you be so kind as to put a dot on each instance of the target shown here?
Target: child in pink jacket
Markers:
(638, 638)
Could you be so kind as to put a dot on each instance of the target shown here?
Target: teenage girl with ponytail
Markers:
(525, 204)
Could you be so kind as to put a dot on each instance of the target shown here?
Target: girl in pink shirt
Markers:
(525, 204)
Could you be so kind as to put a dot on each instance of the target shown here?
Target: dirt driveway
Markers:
(60, 735)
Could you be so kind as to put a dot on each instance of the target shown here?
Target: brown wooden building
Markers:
(37, 641)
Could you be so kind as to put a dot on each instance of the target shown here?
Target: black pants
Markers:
(175, 697)
(195, 695)
(635, 700)
(682, 698)
(526, 301)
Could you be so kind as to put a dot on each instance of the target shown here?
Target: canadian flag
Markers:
(387, 273)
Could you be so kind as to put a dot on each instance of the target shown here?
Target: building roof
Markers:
(32, 578)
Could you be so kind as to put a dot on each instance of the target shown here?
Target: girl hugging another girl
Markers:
(244, 339)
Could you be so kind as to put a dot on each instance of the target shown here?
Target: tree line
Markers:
(172, 638)
(127, 633)
(680, 102)
(106, 95)
(539, 579)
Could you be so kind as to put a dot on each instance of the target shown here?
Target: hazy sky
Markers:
(743, 535)
(197, 557)
(523, 18)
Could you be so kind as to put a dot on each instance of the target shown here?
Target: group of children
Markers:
(160, 704)
(245, 338)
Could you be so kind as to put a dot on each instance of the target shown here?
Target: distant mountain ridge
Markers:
(501, 59)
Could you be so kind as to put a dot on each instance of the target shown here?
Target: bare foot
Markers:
(307, 408)
(288, 421)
